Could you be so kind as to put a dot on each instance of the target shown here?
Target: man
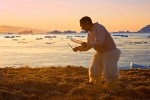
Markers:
(106, 54)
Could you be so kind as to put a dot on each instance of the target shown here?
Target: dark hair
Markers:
(85, 19)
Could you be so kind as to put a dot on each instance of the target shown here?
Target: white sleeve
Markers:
(99, 36)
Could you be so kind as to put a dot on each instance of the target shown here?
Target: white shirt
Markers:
(100, 39)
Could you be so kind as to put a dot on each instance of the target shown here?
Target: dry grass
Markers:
(69, 83)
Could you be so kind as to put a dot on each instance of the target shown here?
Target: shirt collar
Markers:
(93, 28)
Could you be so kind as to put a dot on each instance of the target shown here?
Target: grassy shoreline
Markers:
(69, 83)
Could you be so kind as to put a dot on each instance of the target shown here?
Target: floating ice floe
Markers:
(50, 36)
(122, 35)
(39, 38)
(134, 66)
(148, 36)
(139, 42)
(9, 37)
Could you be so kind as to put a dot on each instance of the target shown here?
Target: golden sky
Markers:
(62, 15)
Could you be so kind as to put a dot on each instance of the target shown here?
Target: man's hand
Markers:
(75, 49)
(84, 44)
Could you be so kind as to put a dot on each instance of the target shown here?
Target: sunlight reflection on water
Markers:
(36, 50)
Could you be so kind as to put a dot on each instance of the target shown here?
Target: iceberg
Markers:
(133, 65)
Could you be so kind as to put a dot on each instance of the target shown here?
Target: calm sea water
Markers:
(40, 51)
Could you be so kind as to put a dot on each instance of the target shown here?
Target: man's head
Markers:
(86, 23)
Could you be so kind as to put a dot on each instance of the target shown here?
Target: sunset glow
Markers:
(62, 15)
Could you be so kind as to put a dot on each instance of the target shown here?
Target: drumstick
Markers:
(76, 41)
(70, 46)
